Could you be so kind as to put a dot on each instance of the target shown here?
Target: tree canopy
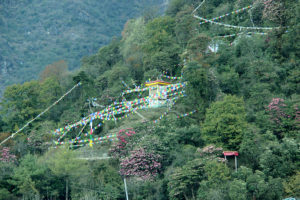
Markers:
(241, 94)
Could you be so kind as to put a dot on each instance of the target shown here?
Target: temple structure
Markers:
(157, 94)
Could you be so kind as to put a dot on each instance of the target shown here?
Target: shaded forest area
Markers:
(244, 84)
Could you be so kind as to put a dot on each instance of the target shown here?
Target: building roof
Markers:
(230, 153)
(157, 82)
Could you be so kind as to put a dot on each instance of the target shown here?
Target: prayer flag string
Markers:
(242, 33)
(39, 115)
(169, 94)
(234, 26)
(227, 14)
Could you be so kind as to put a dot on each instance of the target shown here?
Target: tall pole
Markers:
(91, 134)
(126, 189)
(235, 159)
(115, 120)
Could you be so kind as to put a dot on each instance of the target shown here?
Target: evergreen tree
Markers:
(225, 123)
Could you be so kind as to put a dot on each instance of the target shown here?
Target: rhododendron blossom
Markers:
(141, 164)
(276, 109)
(273, 10)
(118, 149)
(123, 133)
(6, 156)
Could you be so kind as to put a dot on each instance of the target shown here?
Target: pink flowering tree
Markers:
(6, 156)
(276, 109)
(124, 133)
(141, 164)
(285, 117)
(120, 149)
(273, 10)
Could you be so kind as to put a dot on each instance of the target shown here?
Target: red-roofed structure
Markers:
(231, 153)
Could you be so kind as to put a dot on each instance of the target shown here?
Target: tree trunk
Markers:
(193, 196)
(185, 196)
(67, 188)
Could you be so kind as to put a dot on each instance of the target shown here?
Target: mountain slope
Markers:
(35, 33)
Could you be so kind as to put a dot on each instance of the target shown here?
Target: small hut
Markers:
(232, 153)
(157, 94)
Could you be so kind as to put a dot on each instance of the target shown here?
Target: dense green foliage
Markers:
(246, 94)
(225, 122)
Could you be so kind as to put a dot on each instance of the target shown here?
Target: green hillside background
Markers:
(243, 87)
(35, 33)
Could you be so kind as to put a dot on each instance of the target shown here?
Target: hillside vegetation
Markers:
(35, 33)
(244, 85)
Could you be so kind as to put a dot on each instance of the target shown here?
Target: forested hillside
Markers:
(235, 65)
(36, 33)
